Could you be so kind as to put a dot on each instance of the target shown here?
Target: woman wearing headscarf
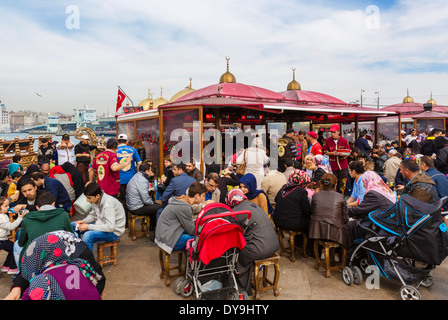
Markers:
(32, 168)
(329, 213)
(76, 177)
(378, 196)
(260, 235)
(65, 178)
(292, 208)
(248, 184)
(51, 264)
(255, 159)
(316, 166)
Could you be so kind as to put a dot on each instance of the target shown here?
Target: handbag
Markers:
(82, 206)
(242, 167)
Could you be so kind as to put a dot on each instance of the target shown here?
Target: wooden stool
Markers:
(102, 260)
(145, 226)
(291, 250)
(327, 245)
(164, 259)
(267, 284)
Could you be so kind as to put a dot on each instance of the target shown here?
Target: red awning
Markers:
(311, 97)
(237, 90)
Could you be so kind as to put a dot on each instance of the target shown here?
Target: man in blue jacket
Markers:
(178, 185)
(362, 144)
(427, 165)
(55, 187)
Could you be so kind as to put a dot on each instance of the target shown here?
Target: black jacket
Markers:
(427, 146)
(293, 212)
(373, 200)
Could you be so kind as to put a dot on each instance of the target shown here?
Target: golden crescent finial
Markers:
(228, 59)
(293, 73)
(190, 82)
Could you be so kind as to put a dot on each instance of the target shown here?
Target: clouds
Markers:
(140, 45)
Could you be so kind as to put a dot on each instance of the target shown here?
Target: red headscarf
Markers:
(59, 170)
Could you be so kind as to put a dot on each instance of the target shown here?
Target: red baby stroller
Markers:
(212, 255)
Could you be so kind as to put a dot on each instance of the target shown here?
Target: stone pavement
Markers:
(136, 277)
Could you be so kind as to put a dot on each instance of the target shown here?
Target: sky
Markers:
(62, 55)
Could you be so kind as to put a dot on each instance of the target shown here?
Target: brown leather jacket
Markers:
(329, 217)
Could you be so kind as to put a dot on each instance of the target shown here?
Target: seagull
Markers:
(38, 94)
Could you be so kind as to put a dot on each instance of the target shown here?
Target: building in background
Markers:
(5, 126)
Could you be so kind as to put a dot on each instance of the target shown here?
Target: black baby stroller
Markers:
(212, 255)
(405, 243)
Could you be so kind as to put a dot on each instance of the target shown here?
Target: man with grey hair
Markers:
(392, 165)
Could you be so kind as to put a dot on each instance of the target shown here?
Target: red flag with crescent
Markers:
(120, 99)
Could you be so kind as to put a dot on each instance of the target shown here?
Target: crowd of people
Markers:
(321, 187)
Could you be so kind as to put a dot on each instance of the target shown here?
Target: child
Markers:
(16, 165)
(5, 227)
(13, 186)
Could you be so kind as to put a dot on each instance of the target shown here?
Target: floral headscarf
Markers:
(372, 181)
(322, 162)
(51, 249)
(235, 197)
(412, 157)
(298, 178)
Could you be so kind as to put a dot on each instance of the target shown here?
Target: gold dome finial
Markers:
(432, 101)
(408, 99)
(159, 101)
(183, 92)
(293, 85)
(227, 77)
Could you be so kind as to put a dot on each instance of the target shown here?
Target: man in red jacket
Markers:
(336, 148)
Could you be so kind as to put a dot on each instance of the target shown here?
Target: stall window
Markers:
(126, 128)
(303, 125)
(147, 131)
(429, 124)
(348, 131)
(387, 129)
(185, 125)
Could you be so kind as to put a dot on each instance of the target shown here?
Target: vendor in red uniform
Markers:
(335, 148)
(315, 147)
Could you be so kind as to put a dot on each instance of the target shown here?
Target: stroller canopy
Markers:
(217, 231)
(420, 224)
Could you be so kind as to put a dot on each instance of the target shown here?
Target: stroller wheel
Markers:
(347, 276)
(187, 288)
(409, 293)
(428, 281)
(357, 275)
(178, 285)
(364, 263)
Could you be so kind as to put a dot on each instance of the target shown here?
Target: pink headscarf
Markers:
(235, 197)
(372, 181)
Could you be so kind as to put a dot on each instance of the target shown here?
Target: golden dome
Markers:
(294, 85)
(159, 101)
(182, 92)
(147, 103)
(408, 99)
(432, 101)
(227, 77)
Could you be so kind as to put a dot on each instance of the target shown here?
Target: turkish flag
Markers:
(120, 99)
